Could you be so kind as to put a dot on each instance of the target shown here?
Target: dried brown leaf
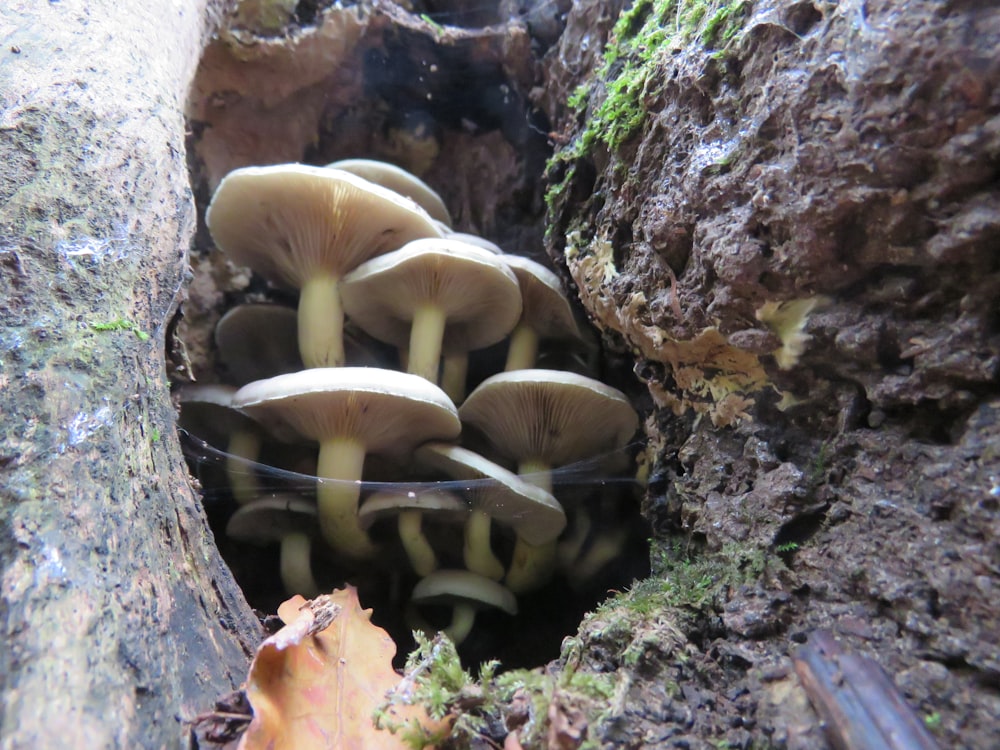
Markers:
(315, 684)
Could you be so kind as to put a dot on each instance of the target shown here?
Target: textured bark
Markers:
(796, 239)
(119, 619)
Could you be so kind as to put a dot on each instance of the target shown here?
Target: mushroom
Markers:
(258, 341)
(495, 494)
(430, 290)
(475, 239)
(207, 412)
(350, 411)
(546, 312)
(289, 521)
(544, 419)
(455, 364)
(409, 506)
(400, 181)
(304, 227)
(466, 593)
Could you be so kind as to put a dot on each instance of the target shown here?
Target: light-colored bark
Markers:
(119, 619)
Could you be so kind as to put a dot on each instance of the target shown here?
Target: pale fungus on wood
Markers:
(364, 256)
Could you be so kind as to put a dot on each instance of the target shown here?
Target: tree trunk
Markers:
(120, 620)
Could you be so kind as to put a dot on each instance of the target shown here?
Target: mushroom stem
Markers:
(532, 565)
(342, 460)
(605, 548)
(296, 569)
(537, 473)
(523, 349)
(243, 447)
(418, 549)
(321, 322)
(426, 335)
(477, 553)
(463, 617)
(571, 546)
(454, 371)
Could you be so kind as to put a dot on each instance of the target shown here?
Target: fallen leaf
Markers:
(315, 684)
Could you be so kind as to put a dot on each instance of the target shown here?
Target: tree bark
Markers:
(119, 619)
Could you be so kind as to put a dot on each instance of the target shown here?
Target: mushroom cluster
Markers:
(466, 505)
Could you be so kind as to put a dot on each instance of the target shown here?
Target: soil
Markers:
(792, 247)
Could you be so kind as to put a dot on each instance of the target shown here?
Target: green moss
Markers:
(432, 23)
(644, 34)
(691, 585)
(578, 99)
(933, 721)
(642, 37)
(120, 324)
(724, 24)
(434, 678)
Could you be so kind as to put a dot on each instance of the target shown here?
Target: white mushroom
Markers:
(495, 494)
(207, 412)
(350, 411)
(465, 593)
(429, 291)
(400, 181)
(409, 507)
(305, 227)
(544, 419)
(286, 520)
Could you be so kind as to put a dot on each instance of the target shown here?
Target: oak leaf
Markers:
(316, 683)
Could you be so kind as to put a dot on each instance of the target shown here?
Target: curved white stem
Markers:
(296, 568)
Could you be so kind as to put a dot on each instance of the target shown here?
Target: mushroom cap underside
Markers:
(288, 222)
(399, 181)
(550, 416)
(388, 411)
(267, 521)
(463, 587)
(534, 514)
(478, 293)
(438, 504)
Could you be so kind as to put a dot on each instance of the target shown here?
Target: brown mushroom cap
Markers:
(474, 293)
(399, 180)
(533, 513)
(390, 412)
(288, 221)
(550, 417)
